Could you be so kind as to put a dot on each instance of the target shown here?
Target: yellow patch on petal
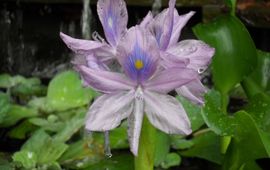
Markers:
(138, 64)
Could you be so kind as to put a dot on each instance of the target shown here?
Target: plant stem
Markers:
(225, 140)
(145, 158)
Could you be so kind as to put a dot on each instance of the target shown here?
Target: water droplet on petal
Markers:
(201, 70)
(107, 148)
(191, 49)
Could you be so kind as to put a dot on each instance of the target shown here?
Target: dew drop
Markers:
(201, 70)
(191, 49)
(107, 148)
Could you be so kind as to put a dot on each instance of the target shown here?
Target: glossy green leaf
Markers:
(28, 159)
(46, 149)
(17, 113)
(117, 162)
(206, 146)
(248, 144)
(213, 116)
(65, 91)
(261, 74)
(259, 109)
(162, 147)
(171, 159)
(193, 112)
(235, 55)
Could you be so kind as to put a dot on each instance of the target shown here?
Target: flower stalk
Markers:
(147, 144)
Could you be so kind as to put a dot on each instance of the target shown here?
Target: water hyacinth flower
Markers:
(151, 66)
(194, 54)
(142, 89)
(113, 16)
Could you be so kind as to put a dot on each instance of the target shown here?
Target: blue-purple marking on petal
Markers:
(139, 65)
(110, 26)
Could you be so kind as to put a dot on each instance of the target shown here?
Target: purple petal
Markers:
(135, 122)
(170, 79)
(94, 63)
(168, 61)
(108, 110)
(179, 23)
(105, 81)
(194, 91)
(113, 16)
(196, 51)
(138, 54)
(79, 46)
(167, 26)
(162, 26)
(147, 20)
(166, 113)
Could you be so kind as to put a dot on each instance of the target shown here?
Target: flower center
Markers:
(138, 64)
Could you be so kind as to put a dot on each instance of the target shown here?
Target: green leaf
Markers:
(117, 162)
(65, 92)
(261, 73)
(46, 125)
(232, 5)
(259, 109)
(179, 142)
(215, 119)
(82, 153)
(21, 130)
(118, 137)
(71, 126)
(5, 80)
(4, 162)
(46, 149)
(248, 144)
(30, 87)
(40, 103)
(206, 146)
(17, 113)
(235, 55)
(28, 159)
(162, 147)
(172, 159)
(4, 106)
(193, 112)
(51, 166)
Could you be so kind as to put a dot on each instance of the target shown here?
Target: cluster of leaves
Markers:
(49, 122)
(240, 138)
